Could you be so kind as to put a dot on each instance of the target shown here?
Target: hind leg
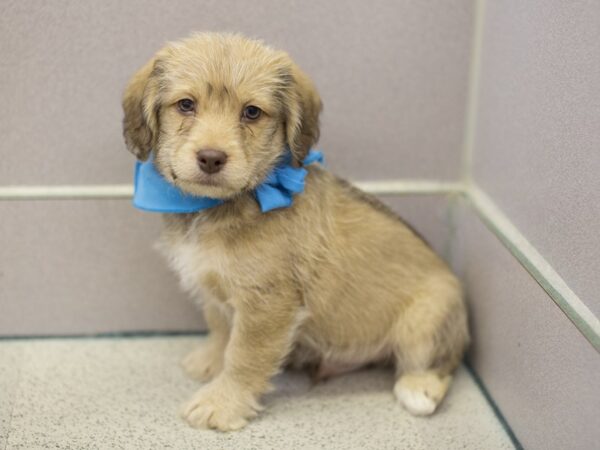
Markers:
(430, 339)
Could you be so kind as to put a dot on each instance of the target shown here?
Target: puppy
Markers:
(335, 281)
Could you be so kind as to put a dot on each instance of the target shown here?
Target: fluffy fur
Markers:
(334, 282)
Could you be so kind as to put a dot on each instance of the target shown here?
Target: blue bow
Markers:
(152, 192)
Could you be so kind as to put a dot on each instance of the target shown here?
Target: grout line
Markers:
(117, 191)
(496, 410)
(473, 91)
(105, 335)
(585, 321)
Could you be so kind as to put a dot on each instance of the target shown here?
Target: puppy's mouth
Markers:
(209, 180)
(199, 181)
(204, 185)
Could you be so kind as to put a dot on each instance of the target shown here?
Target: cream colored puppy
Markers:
(335, 281)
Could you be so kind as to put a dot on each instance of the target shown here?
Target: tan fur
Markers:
(336, 280)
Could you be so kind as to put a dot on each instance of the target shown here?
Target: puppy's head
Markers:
(218, 111)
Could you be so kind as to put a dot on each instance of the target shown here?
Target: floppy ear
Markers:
(141, 107)
(303, 108)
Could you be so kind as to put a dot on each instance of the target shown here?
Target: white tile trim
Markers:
(539, 268)
(65, 192)
(396, 187)
(116, 191)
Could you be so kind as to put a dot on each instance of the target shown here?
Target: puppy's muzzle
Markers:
(211, 161)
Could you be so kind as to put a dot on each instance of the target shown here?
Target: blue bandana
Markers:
(152, 192)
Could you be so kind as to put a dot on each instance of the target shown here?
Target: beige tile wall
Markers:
(536, 155)
(85, 267)
(538, 145)
(392, 76)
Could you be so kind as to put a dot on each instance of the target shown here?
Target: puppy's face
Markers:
(218, 111)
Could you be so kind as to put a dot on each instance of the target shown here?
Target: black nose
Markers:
(211, 161)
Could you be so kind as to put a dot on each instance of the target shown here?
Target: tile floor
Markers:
(110, 393)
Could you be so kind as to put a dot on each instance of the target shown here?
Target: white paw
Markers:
(204, 363)
(415, 401)
(420, 393)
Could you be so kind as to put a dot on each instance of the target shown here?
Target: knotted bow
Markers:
(152, 192)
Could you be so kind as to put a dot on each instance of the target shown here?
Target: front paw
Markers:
(204, 363)
(220, 405)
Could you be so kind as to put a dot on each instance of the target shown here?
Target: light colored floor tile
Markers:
(125, 393)
(11, 361)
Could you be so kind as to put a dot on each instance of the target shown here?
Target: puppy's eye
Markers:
(186, 105)
(251, 112)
